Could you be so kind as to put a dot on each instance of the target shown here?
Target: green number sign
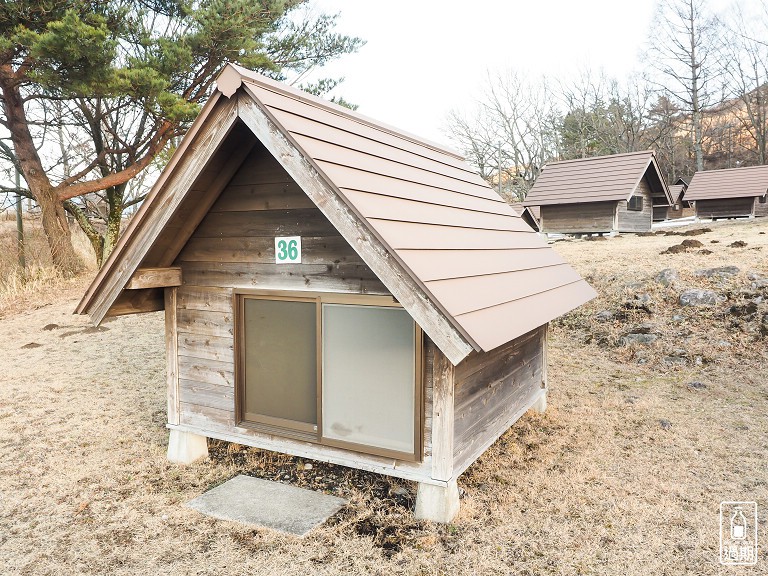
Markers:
(288, 250)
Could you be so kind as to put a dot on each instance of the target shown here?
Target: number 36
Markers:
(287, 250)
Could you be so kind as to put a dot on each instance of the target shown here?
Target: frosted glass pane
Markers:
(281, 359)
(368, 379)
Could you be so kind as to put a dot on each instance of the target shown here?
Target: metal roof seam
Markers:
(578, 280)
(408, 181)
(526, 232)
(387, 159)
(610, 156)
(510, 214)
(419, 200)
(379, 141)
(499, 271)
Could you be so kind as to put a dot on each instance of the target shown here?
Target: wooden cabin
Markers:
(337, 289)
(730, 193)
(529, 214)
(604, 194)
(681, 207)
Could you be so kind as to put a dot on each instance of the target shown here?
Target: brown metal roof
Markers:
(487, 273)
(597, 179)
(730, 183)
(675, 190)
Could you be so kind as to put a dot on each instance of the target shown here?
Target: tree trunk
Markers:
(57, 232)
(114, 217)
(53, 217)
(694, 31)
(96, 239)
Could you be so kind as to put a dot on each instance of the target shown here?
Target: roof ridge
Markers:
(721, 170)
(603, 157)
(297, 94)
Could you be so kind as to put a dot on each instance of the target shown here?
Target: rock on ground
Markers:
(667, 276)
(699, 297)
(721, 271)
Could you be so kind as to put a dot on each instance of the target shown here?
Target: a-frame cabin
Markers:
(337, 289)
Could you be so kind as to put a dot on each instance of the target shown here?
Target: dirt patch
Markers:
(684, 246)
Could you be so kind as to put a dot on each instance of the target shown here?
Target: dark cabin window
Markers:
(763, 199)
(279, 368)
(635, 203)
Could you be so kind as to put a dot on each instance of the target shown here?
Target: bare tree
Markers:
(585, 101)
(747, 73)
(684, 50)
(477, 137)
(511, 134)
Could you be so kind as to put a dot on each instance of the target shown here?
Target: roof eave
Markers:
(95, 288)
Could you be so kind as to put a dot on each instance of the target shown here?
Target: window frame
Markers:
(635, 209)
(314, 433)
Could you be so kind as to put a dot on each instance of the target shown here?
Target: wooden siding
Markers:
(636, 220)
(578, 218)
(233, 248)
(725, 208)
(492, 391)
(683, 211)
(761, 208)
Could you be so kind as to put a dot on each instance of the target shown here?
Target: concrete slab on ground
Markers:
(268, 504)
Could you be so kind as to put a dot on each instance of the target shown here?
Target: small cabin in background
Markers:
(603, 194)
(681, 207)
(730, 193)
(529, 214)
(337, 289)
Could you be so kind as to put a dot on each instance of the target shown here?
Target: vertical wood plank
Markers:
(172, 355)
(442, 416)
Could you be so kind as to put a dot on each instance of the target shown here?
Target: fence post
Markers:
(20, 229)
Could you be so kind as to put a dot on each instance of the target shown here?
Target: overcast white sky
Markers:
(425, 57)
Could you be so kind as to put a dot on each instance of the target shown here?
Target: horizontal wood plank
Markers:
(207, 395)
(205, 323)
(271, 223)
(578, 218)
(262, 196)
(210, 298)
(207, 371)
(491, 387)
(155, 278)
(341, 277)
(261, 250)
(206, 347)
(137, 301)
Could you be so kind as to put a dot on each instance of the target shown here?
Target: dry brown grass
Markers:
(594, 486)
(40, 283)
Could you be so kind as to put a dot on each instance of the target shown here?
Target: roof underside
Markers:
(487, 273)
(730, 183)
(598, 179)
